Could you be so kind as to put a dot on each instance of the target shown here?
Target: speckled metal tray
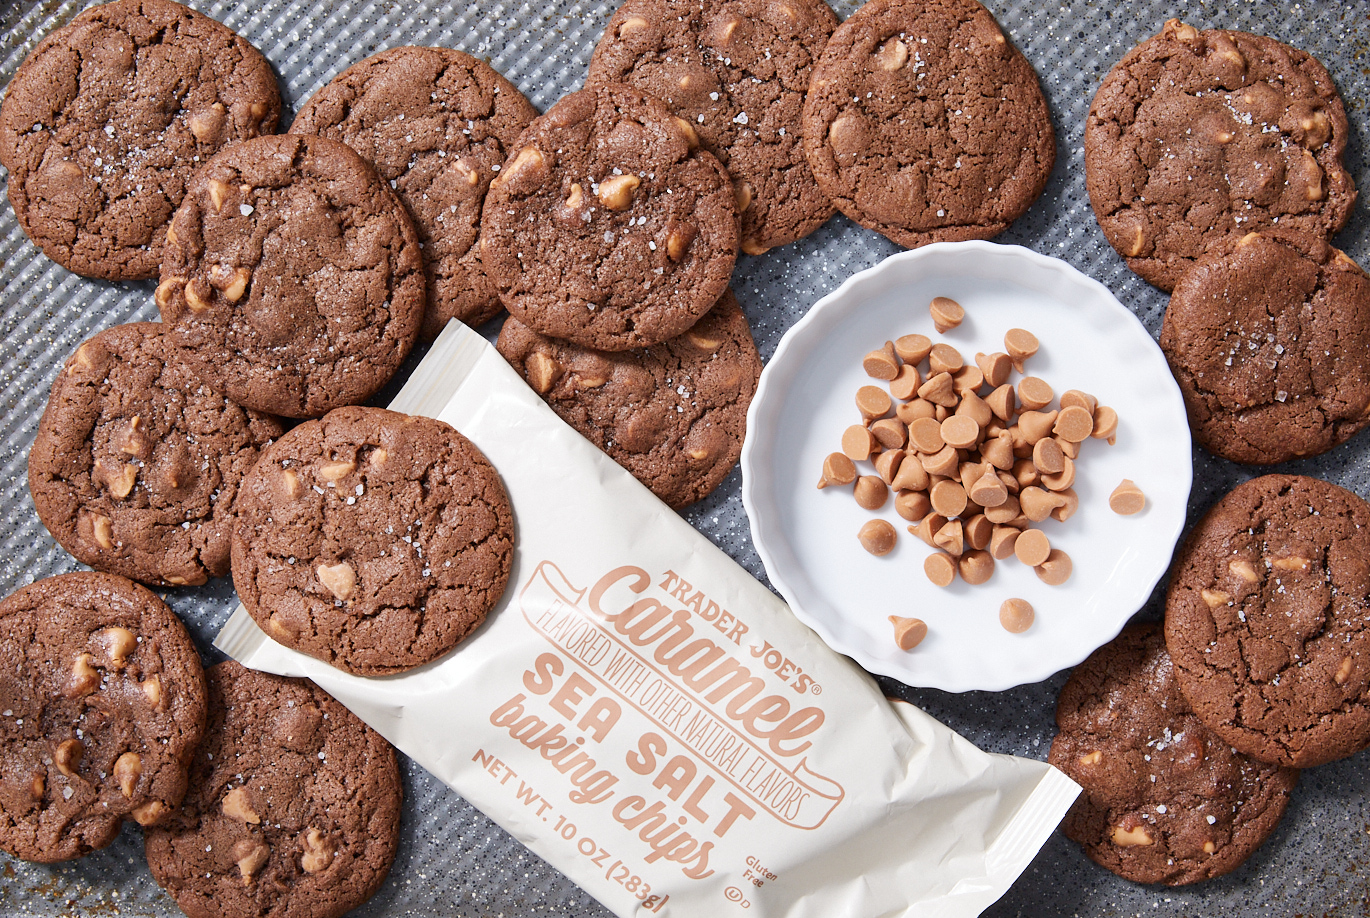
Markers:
(454, 861)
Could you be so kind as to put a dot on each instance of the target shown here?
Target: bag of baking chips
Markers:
(648, 718)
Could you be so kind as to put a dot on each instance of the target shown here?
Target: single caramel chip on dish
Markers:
(975, 566)
(1074, 424)
(1020, 344)
(1105, 424)
(882, 363)
(890, 433)
(906, 382)
(913, 505)
(858, 442)
(878, 537)
(837, 470)
(1127, 498)
(1034, 393)
(1056, 569)
(995, 367)
(873, 402)
(943, 358)
(888, 463)
(871, 492)
(948, 498)
(1016, 615)
(1033, 547)
(913, 348)
(946, 313)
(940, 568)
(908, 632)
(926, 435)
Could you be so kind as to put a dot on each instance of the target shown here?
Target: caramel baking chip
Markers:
(1127, 498)
(908, 632)
(946, 313)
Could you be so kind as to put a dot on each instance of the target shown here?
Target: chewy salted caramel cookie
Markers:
(105, 121)
(925, 124)
(1267, 338)
(292, 278)
(372, 540)
(102, 704)
(137, 463)
(1265, 619)
(610, 226)
(673, 414)
(1165, 800)
(1197, 136)
(437, 124)
(293, 809)
(737, 72)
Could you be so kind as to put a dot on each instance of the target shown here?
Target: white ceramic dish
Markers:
(807, 537)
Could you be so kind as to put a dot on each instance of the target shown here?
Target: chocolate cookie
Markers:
(372, 540)
(1165, 800)
(1199, 136)
(293, 809)
(674, 414)
(292, 277)
(102, 703)
(1269, 339)
(137, 464)
(737, 71)
(105, 121)
(610, 226)
(925, 124)
(436, 123)
(1265, 619)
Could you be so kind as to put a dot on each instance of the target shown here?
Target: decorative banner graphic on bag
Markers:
(692, 688)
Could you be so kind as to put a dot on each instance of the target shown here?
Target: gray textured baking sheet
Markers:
(454, 861)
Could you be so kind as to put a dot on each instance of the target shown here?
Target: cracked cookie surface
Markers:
(437, 124)
(609, 226)
(292, 277)
(737, 71)
(1268, 341)
(1266, 620)
(673, 414)
(102, 704)
(137, 463)
(1165, 800)
(925, 124)
(105, 121)
(293, 809)
(372, 540)
(1195, 136)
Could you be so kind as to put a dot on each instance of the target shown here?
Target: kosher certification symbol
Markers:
(734, 894)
